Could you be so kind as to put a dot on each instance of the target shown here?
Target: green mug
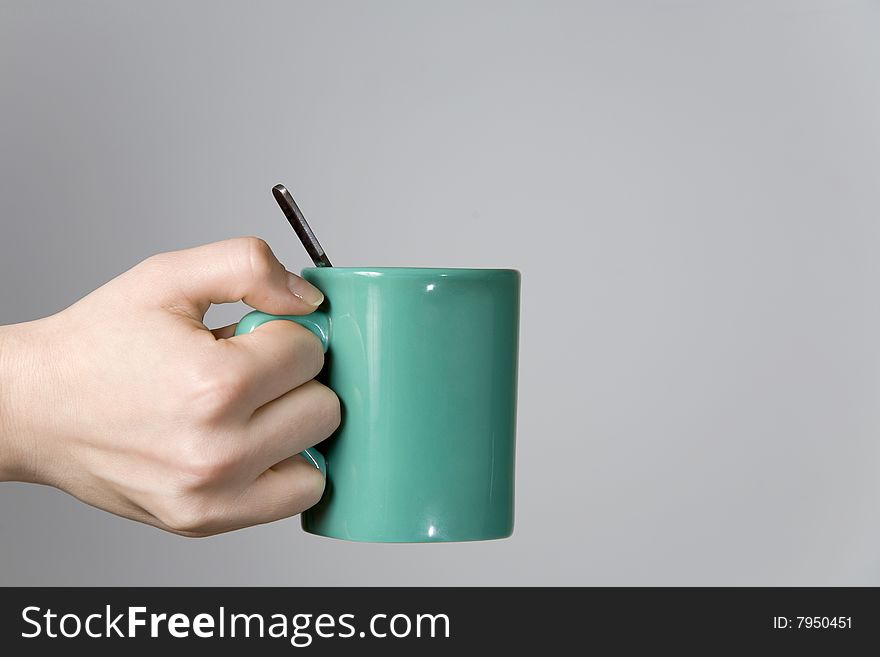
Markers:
(424, 362)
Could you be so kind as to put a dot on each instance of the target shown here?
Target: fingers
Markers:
(232, 270)
(285, 489)
(271, 361)
(301, 418)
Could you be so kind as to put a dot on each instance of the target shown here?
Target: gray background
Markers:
(700, 362)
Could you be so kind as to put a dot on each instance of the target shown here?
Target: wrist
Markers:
(16, 462)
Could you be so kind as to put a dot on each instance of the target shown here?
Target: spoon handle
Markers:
(300, 226)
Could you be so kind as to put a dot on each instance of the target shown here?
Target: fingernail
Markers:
(304, 291)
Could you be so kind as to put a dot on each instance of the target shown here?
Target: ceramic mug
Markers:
(424, 362)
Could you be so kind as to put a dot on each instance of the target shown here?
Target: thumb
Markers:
(240, 269)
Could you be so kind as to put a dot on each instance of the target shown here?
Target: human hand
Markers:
(128, 402)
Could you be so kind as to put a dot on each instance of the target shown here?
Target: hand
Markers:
(128, 402)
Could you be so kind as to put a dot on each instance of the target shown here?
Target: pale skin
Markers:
(127, 401)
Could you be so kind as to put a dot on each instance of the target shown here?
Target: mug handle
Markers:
(318, 323)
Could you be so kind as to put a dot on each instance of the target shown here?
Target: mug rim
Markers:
(415, 270)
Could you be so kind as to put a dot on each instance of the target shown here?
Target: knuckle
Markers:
(259, 261)
(201, 464)
(327, 408)
(192, 516)
(155, 265)
(309, 352)
(311, 489)
(213, 392)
